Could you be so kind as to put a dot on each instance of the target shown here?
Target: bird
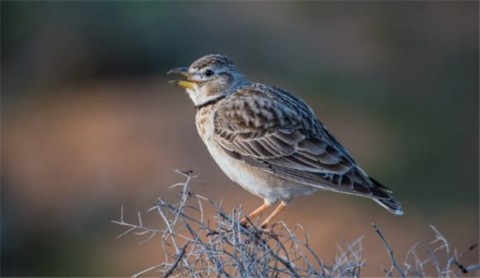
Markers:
(269, 141)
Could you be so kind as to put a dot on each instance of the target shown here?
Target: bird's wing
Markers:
(273, 130)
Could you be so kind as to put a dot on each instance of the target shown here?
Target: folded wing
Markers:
(280, 134)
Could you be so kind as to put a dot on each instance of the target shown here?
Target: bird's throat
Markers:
(209, 102)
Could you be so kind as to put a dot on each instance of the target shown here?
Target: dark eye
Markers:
(209, 72)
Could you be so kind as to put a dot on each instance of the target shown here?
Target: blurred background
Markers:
(89, 122)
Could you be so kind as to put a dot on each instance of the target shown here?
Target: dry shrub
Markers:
(194, 246)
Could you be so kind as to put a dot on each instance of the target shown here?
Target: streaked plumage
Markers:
(268, 140)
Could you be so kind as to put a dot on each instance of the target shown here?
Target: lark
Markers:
(269, 141)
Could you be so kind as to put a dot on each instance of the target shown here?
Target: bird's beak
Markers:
(181, 83)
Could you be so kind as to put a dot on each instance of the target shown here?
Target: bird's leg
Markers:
(277, 210)
(254, 213)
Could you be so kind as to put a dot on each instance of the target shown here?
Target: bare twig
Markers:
(470, 268)
(389, 250)
(225, 247)
(198, 246)
(177, 261)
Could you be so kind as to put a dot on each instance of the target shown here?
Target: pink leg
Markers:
(277, 210)
(254, 213)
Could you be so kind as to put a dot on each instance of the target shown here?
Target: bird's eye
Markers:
(209, 72)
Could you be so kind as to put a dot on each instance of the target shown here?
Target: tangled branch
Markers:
(197, 246)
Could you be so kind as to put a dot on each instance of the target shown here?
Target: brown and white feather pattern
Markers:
(272, 129)
(268, 140)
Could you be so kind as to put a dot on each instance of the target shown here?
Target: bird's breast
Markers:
(205, 124)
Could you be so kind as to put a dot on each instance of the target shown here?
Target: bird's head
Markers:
(208, 78)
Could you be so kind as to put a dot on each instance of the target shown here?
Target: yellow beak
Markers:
(181, 83)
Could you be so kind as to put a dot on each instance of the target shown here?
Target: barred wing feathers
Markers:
(280, 134)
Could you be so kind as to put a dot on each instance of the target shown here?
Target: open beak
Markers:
(182, 83)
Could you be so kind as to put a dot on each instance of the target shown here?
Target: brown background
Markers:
(89, 123)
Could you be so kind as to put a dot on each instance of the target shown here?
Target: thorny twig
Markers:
(390, 250)
(198, 246)
(195, 247)
(425, 256)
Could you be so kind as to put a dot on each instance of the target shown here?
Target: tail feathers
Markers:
(383, 196)
(391, 205)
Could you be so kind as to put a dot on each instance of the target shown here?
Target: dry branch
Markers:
(196, 246)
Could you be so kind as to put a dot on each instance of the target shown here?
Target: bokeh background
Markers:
(89, 123)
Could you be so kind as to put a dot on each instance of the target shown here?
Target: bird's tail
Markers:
(391, 204)
(386, 199)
